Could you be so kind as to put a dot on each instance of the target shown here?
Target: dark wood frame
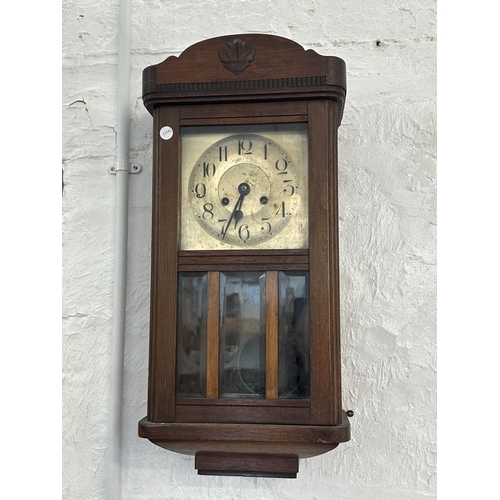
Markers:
(305, 88)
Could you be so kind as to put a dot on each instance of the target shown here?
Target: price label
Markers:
(166, 133)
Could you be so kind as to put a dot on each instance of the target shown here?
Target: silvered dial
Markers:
(244, 189)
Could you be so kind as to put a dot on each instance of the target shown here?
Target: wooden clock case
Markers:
(246, 79)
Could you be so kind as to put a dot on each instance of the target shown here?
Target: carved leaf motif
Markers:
(236, 56)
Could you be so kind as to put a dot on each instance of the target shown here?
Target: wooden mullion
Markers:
(213, 322)
(272, 335)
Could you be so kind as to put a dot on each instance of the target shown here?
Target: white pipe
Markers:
(114, 450)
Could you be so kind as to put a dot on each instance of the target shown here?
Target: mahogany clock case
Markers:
(246, 80)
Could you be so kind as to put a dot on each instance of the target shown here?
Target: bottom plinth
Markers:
(234, 464)
(263, 450)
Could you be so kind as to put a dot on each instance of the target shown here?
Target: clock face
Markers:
(246, 190)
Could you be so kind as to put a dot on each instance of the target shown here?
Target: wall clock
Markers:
(244, 365)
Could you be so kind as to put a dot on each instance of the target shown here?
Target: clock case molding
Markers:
(246, 79)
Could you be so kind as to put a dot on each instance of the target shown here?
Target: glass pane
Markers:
(293, 361)
(192, 335)
(242, 334)
(210, 158)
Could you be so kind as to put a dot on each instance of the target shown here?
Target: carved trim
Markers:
(236, 56)
(309, 81)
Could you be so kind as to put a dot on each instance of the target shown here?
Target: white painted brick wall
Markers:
(387, 185)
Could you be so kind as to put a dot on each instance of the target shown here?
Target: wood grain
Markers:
(335, 274)
(283, 84)
(244, 260)
(212, 463)
(303, 440)
(300, 403)
(280, 71)
(243, 414)
(272, 335)
(213, 335)
(320, 265)
(164, 264)
(244, 113)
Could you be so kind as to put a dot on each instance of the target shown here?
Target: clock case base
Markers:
(246, 449)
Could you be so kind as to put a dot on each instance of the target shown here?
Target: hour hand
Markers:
(243, 189)
(235, 209)
(237, 214)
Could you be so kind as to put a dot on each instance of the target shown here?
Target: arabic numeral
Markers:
(208, 211)
(208, 169)
(243, 232)
(244, 147)
(266, 226)
(281, 210)
(281, 166)
(200, 190)
(223, 225)
(289, 189)
(222, 153)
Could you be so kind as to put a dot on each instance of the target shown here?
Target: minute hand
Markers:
(236, 208)
(243, 189)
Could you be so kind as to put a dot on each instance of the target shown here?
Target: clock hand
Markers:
(231, 217)
(237, 214)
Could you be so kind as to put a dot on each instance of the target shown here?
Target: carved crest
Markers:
(236, 56)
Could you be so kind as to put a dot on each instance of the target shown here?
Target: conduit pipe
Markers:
(114, 450)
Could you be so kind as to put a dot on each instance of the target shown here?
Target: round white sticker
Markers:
(166, 133)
